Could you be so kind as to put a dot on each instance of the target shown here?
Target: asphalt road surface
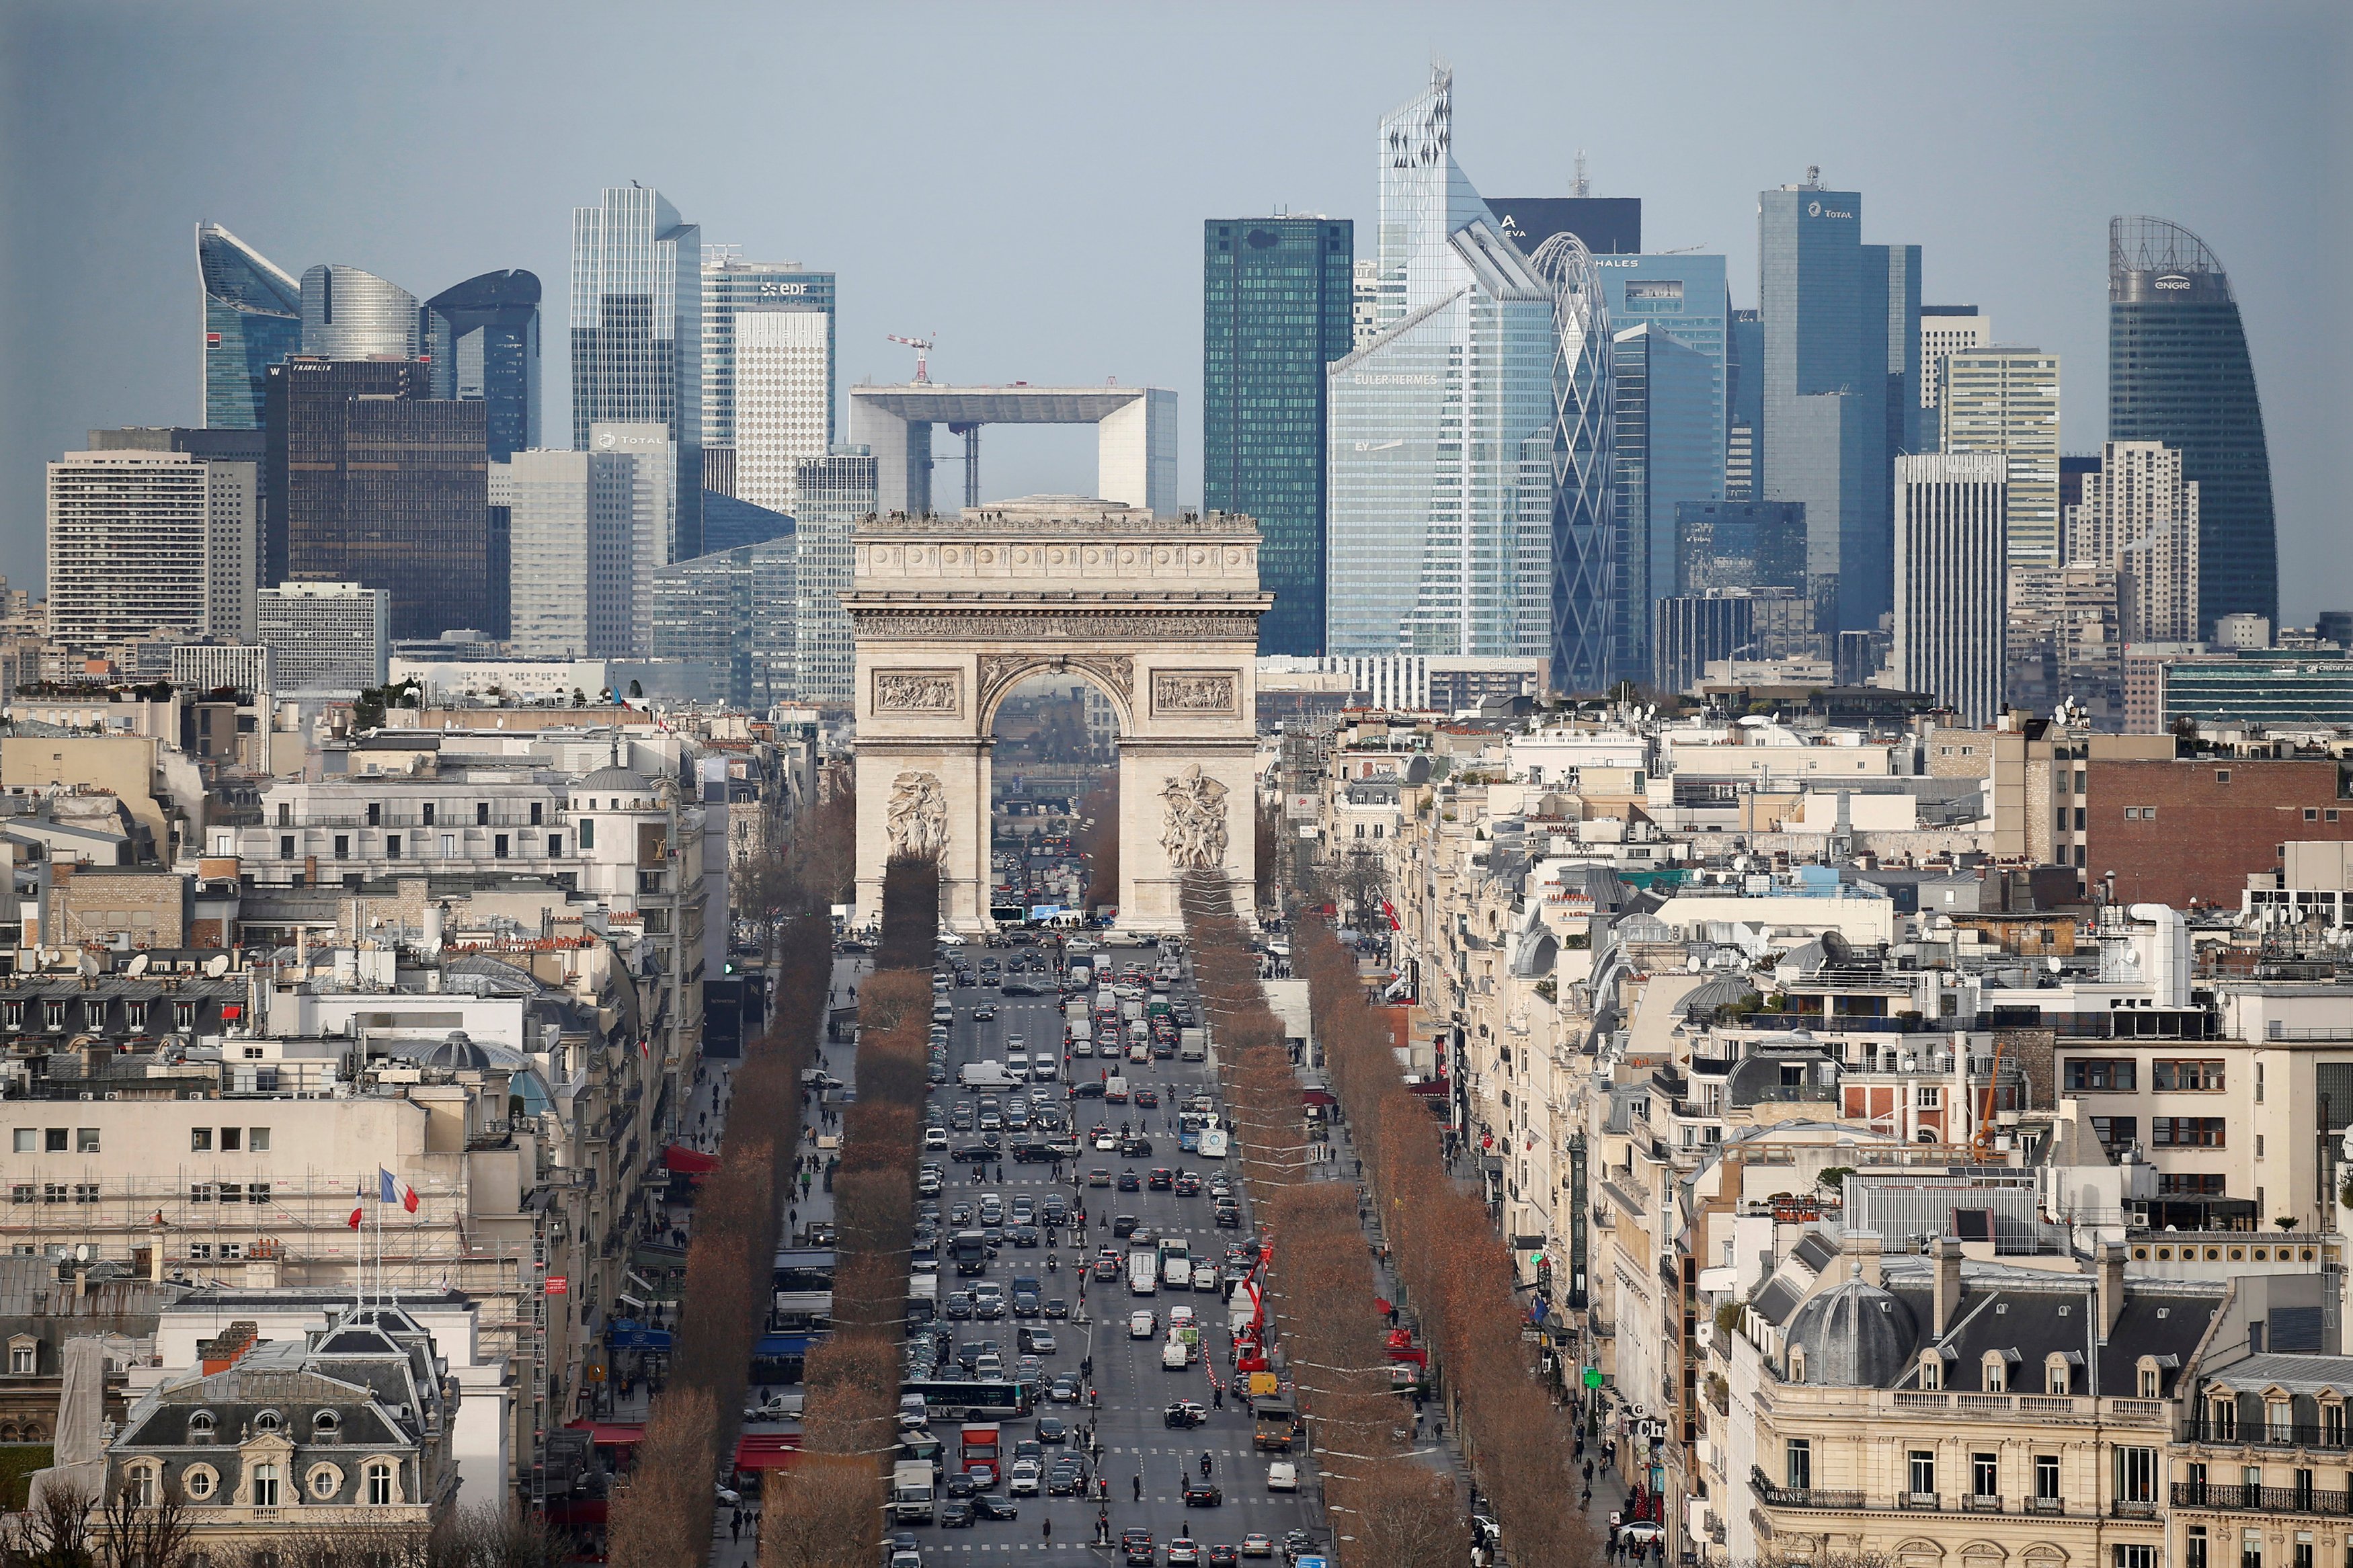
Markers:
(1135, 1389)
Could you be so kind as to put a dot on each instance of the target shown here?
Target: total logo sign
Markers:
(1816, 209)
(608, 440)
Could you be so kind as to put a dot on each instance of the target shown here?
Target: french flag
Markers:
(391, 1190)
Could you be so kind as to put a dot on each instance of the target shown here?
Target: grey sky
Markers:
(1030, 181)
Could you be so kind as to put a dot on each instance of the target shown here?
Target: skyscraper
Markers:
(574, 580)
(1277, 298)
(330, 635)
(787, 401)
(1840, 394)
(636, 334)
(253, 319)
(1949, 580)
(732, 610)
(836, 491)
(1667, 447)
(2006, 401)
(1945, 330)
(1744, 400)
(1439, 537)
(141, 542)
(2142, 518)
(1606, 226)
(373, 482)
(1684, 296)
(481, 337)
(2178, 373)
(350, 314)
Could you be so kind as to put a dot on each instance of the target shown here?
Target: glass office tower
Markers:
(1667, 441)
(1276, 302)
(253, 320)
(482, 338)
(2178, 373)
(636, 334)
(1839, 395)
(733, 288)
(1686, 298)
(1439, 537)
(350, 314)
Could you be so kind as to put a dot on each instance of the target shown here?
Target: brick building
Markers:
(2195, 829)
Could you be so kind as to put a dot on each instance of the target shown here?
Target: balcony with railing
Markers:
(2334, 1436)
(1802, 1497)
(2261, 1499)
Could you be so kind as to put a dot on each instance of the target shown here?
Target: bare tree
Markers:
(151, 1535)
(53, 1533)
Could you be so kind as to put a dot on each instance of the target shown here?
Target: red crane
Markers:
(922, 347)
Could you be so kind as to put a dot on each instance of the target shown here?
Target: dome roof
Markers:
(457, 1053)
(615, 776)
(1855, 1335)
(1722, 991)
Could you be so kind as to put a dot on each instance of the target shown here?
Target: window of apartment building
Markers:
(2116, 1131)
(2311, 813)
(2149, 1378)
(554, 845)
(2191, 1184)
(2221, 775)
(1923, 1472)
(2186, 1131)
(200, 1140)
(2304, 1541)
(1932, 1371)
(2332, 1424)
(2279, 1420)
(449, 846)
(231, 1191)
(2303, 1489)
(481, 813)
(23, 1359)
(2132, 1555)
(200, 1191)
(53, 1140)
(265, 1486)
(2136, 1475)
(498, 847)
(2250, 1548)
(2079, 819)
(425, 813)
(2112, 1074)
(2186, 1078)
(2046, 1477)
(587, 831)
(85, 1140)
(1985, 1475)
(2259, 1083)
(1929, 1097)
(2059, 820)
(257, 1139)
(2193, 1548)
(2222, 1418)
(343, 846)
(1994, 1372)
(536, 808)
(28, 1140)
(392, 846)
(258, 1193)
(375, 813)
(53, 1192)
(85, 1192)
(286, 846)
(285, 814)
(379, 1486)
(20, 1193)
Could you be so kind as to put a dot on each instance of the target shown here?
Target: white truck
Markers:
(988, 1075)
(1143, 1273)
(1192, 1044)
(911, 1492)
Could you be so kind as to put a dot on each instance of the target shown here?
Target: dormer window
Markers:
(201, 1427)
(2222, 1418)
(327, 1426)
(268, 1421)
(2056, 1378)
(2149, 1378)
(1932, 1371)
(24, 1355)
(1996, 1373)
(1797, 1365)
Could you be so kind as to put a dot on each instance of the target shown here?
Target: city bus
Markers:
(971, 1399)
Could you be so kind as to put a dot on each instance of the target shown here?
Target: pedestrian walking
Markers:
(1216, 1396)
(1049, 1529)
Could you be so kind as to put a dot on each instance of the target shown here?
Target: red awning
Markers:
(767, 1450)
(610, 1436)
(694, 1162)
(1317, 1097)
(1427, 1085)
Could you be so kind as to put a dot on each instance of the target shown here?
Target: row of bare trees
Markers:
(1319, 1280)
(662, 1515)
(63, 1530)
(1454, 1267)
(826, 1511)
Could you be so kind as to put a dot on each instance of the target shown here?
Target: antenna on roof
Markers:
(1583, 186)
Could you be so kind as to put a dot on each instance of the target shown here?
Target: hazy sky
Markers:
(1030, 181)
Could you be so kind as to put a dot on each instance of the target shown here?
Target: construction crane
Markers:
(922, 347)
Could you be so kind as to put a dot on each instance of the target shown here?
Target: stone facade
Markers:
(1159, 613)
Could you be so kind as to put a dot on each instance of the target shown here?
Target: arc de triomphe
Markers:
(950, 612)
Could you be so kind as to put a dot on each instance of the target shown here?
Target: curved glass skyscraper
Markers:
(253, 320)
(482, 338)
(2178, 373)
(350, 314)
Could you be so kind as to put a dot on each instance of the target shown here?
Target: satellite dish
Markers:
(138, 964)
(217, 965)
(81, 1253)
(2054, 964)
(90, 965)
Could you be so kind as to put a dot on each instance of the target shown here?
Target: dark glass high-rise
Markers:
(2178, 371)
(1276, 298)
(481, 339)
(253, 320)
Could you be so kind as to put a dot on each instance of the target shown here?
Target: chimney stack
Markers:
(2111, 1286)
(1948, 1255)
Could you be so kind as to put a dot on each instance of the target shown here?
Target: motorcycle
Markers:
(1052, 1267)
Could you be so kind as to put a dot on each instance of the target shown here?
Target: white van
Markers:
(1172, 1355)
(1177, 1273)
(1017, 1065)
(1114, 1087)
(1043, 1069)
(1143, 1274)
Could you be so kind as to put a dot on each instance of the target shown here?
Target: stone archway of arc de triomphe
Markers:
(950, 612)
